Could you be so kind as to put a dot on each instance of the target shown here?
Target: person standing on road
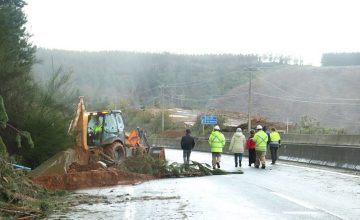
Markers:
(187, 144)
(217, 143)
(261, 139)
(268, 134)
(250, 145)
(236, 146)
(275, 141)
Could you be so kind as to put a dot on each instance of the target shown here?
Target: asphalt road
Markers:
(282, 191)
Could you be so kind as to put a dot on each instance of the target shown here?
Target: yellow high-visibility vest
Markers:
(261, 139)
(275, 136)
(216, 141)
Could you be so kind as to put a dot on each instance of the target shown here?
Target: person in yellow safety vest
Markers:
(97, 129)
(275, 143)
(261, 139)
(217, 143)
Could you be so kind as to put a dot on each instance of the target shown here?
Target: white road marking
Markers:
(308, 206)
(333, 214)
(300, 203)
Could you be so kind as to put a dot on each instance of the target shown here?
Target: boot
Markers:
(239, 163)
(218, 165)
(236, 164)
(263, 167)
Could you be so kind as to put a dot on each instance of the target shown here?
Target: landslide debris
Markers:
(57, 164)
(146, 164)
(133, 170)
(21, 199)
(88, 178)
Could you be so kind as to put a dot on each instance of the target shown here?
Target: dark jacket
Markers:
(187, 142)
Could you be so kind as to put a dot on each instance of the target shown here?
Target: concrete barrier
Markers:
(335, 156)
(333, 140)
(342, 151)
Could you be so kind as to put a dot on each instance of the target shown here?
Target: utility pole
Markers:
(162, 107)
(249, 103)
(287, 125)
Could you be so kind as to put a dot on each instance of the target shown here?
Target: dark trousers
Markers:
(216, 159)
(252, 156)
(273, 151)
(186, 156)
(238, 157)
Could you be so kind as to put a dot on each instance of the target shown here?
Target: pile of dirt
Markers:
(172, 134)
(258, 120)
(84, 176)
(65, 171)
(133, 170)
(76, 167)
(58, 164)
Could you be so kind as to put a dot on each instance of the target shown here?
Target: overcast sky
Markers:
(304, 28)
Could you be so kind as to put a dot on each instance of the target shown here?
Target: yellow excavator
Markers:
(100, 136)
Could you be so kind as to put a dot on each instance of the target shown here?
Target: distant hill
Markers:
(115, 75)
(220, 82)
(328, 94)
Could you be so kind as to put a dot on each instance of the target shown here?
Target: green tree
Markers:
(16, 58)
(17, 55)
(43, 110)
(49, 120)
(19, 134)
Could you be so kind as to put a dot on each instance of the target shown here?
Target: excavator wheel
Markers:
(116, 151)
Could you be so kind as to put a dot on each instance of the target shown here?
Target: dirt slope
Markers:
(296, 91)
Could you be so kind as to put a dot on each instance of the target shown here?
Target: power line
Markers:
(285, 98)
(188, 99)
(309, 97)
(148, 90)
(203, 80)
(305, 101)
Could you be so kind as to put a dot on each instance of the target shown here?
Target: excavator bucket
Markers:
(157, 152)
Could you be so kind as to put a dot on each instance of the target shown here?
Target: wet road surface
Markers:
(282, 191)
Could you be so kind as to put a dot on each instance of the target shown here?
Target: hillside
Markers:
(204, 82)
(137, 77)
(328, 94)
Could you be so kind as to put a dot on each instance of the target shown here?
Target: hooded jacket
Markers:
(237, 143)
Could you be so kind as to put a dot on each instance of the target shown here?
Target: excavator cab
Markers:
(105, 128)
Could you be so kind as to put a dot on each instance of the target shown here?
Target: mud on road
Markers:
(123, 202)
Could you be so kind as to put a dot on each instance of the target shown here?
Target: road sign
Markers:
(209, 120)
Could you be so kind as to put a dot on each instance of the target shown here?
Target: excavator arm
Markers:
(78, 126)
